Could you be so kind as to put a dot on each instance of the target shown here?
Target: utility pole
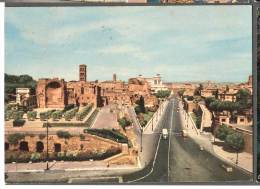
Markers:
(152, 122)
(47, 133)
(141, 139)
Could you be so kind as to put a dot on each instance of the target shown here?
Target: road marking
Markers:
(169, 146)
(155, 156)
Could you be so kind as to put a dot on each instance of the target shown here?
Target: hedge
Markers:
(91, 118)
(31, 115)
(14, 138)
(18, 122)
(57, 115)
(109, 134)
(46, 115)
(68, 115)
(24, 157)
(84, 112)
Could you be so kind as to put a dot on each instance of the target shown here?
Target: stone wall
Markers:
(90, 142)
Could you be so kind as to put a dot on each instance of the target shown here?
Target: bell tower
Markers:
(82, 72)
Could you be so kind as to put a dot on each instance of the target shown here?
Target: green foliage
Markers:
(56, 115)
(223, 131)
(12, 82)
(91, 118)
(43, 116)
(143, 122)
(181, 92)
(68, 115)
(35, 156)
(137, 110)
(63, 134)
(68, 107)
(163, 94)
(243, 96)
(209, 100)
(124, 122)
(140, 105)
(84, 112)
(31, 115)
(82, 137)
(18, 122)
(109, 134)
(15, 138)
(46, 115)
(235, 141)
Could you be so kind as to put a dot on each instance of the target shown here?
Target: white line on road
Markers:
(169, 146)
(155, 156)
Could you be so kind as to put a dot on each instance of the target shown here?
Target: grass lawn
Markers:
(148, 116)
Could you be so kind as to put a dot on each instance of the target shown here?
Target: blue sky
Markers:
(182, 43)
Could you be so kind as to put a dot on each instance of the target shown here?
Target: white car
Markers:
(165, 133)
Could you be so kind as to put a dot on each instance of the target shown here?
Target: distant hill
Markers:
(21, 81)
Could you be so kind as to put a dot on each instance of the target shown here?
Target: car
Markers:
(165, 133)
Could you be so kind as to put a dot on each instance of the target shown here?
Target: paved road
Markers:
(181, 160)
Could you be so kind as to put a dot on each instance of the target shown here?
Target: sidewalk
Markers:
(151, 126)
(65, 165)
(206, 141)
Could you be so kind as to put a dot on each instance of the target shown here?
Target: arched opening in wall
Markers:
(24, 146)
(82, 90)
(57, 147)
(6, 146)
(54, 93)
(39, 146)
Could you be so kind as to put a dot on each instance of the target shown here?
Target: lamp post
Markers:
(141, 139)
(47, 145)
(152, 122)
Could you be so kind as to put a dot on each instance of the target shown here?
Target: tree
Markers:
(141, 104)
(163, 94)
(242, 98)
(124, 122)
(181, 92)
(236, 142)
(223, 131)
(209, 100)
(64, 134)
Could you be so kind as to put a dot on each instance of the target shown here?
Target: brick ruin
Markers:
(57, 93)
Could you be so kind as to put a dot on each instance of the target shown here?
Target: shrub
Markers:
(31, 115)
(82, 137)
(109, 134)
(43, 116)
(223, 131)
(84, 112)
(35, 157)
(14, 138)
(68, 107)
(235, 141)
(63, 134)
(56, 115)
(68, 115)
(143, 122)
(18, 122)
(42, 136)
(124, 122)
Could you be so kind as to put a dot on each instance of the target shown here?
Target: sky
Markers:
(182, 43)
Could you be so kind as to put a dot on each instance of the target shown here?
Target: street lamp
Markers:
(47, 145)
(141, 139)
(152, 122)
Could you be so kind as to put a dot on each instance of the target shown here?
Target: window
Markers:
(223, 120)
(82, 90)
